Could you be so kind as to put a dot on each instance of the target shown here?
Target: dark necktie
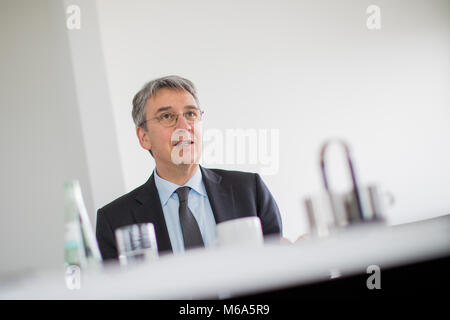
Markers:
(189, 226)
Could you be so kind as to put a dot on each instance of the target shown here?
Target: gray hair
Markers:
(151, 88)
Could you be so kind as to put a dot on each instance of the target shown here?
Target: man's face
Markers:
(163, 141)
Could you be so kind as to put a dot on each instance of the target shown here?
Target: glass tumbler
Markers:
(136, 243)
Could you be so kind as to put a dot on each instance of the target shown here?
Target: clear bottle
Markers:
(80, 249)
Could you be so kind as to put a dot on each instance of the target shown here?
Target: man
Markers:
(183, 200)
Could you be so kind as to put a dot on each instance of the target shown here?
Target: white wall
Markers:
(94, 104)
(41, 138)
(56, 124)
(310, 69)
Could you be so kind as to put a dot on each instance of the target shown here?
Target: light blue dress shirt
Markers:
(199, 204)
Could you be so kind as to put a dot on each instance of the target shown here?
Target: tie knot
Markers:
(183, 193)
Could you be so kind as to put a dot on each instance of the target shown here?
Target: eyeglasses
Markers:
(169, 119)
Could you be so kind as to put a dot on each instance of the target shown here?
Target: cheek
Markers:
(160, 138)
(199, 138)
(198, 131)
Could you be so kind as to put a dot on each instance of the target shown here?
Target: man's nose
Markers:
(182, 123)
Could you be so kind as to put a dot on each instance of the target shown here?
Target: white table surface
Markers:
(228, 272)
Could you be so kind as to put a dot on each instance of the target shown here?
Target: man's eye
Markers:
(166, 116)
(191, 114)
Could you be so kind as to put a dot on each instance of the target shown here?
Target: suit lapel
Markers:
(220, 196)
(150, 210)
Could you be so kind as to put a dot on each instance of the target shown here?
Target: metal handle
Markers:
(356, 190)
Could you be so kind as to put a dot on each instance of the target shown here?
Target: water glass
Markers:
(136, 243)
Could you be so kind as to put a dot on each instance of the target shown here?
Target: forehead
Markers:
(176, 99)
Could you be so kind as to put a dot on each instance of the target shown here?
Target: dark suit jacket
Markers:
(232, 194)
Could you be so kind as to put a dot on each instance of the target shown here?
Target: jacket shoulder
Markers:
(123, 202)
(234, 175)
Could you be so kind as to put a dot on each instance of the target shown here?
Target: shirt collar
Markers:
(166, 188)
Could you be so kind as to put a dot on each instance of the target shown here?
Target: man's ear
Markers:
(144, 139)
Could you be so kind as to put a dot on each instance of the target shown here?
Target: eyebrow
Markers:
(163, 109)
(170, 107)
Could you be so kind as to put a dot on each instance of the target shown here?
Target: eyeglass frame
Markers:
(176, 119)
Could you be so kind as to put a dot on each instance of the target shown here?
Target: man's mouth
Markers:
(183, 143)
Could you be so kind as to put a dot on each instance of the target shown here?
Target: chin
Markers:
(185, 155)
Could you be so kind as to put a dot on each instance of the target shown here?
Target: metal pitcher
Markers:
(332, 210)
